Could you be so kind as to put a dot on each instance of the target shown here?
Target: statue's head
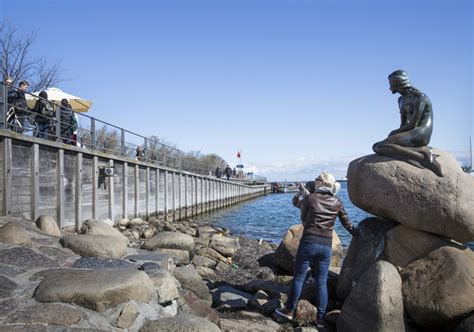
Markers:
(398, 80)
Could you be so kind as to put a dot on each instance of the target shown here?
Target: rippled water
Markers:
(268, 217)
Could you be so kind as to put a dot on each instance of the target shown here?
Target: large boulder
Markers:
(170, 240)
(363, 252)
(285, 254)
(404, 245)
(227, 297)
(100, 227)
(191, 280)
(103, 246)
(194, 305)
(94, 289)
(48, 225)
(375, 303)
(439, 289)
(181, 322)
(13, 233)
(227, 246)
(165, 285)
(415, 197)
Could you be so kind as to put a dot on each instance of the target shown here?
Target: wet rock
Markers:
(285, 254)
(363, 252)
(94, 289)
(48, 225)
(421, 200)
(191, 280)
(127, 316)
(98, 227)
(181, 322)
(14, 233)
(165, 285)
(7, 287)
(226, 246)
(25, 258)
(170, 240)
(305, 313)
(102, 263)
(199, 307)
(404, 245)
(199, 260)
(375, 303)
(438, 289)
(103, 246)
(51, 314)
(226, 297)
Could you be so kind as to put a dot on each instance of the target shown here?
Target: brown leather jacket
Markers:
(319, 212)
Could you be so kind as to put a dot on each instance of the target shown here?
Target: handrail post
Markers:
(145, 149)
(93, 136)
(4, 105)
(122, 141)
(58, 123)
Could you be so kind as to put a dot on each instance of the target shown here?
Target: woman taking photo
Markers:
(319, 210)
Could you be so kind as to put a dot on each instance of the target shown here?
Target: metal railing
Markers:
(92, 133)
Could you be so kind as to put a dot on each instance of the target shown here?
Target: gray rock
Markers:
(170, 240)
(99, 227)
(205, 272)
(46, 313)
(226, 246)
(363, 252)
(164, 261)
(137, 222)
(375, 303)
(127, 316)
(244, 325)
(438, 289)
(14, 233)
(102, 263)
(199, 260)
(181, 257)
(221, 266)
(212, 254)
(165, 285)
(123, 222)
(94, 289)
(285, 254)
(7, 287)
(206, 232)
(305, 312)
(181, 322)
(10, 271)
(415, 197)
(25, 258)
(48, 225)
(191, 280)
(226, 297)
(404, 245)
(196, 306)
(103, 246)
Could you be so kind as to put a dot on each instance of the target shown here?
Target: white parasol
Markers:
(56, 95)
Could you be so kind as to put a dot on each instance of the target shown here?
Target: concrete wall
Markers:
(43, 177)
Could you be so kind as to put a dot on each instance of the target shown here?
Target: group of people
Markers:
(43, 113)
(228, 172)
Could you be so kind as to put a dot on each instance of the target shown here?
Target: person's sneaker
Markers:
(320, 324)
(284, 313)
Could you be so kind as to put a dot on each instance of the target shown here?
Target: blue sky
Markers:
(298, 86)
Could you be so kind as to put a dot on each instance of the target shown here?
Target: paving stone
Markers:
(24, 257)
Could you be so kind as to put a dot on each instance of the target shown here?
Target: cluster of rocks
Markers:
(409, 269)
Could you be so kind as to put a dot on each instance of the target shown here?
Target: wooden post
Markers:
(165, 193)
(125, 191)
(78, 223)
(34, 181)
(111, 193)
(60, 184)
(95, 184)
(136, 187)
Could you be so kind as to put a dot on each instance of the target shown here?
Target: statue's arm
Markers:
(412, 123)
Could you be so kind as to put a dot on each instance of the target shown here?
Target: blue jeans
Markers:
(319, 257)
(43, 129)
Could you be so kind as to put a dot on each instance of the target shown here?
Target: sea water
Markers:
(269, 217)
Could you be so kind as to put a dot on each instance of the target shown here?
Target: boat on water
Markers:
(285, 187)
